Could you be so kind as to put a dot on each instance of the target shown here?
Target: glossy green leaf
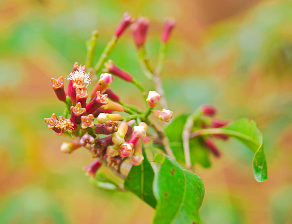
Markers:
(179, 193)
(198, 152)
(246, 131)
(140, 180)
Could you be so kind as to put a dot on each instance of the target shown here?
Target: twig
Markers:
(109, 47)
(161, 58)
(91, 44)
(186, 136)
(164, 140)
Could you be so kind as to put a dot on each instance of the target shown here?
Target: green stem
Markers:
(109, 48)
(68, 105)
(91, 44)
(161, 58)
(145, 63)
(140, 87)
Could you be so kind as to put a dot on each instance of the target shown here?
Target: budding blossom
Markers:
(140, 131)
(126, 148)
(103, 117)
(81, 96)
(58, 87)
(92, 168)
(112, 95)
(107, 129)
(126, 21)
(167, 28)
(113, 106)
(98, 101)
(87, 121)
(119, 137)
(164, 115)
(112, 150)
(208, 110)
(115, 70)
(76, 113)
(87, 141)
(104, 82)
(69, 147)
(137, 157)
(139, 30)
(152, 99)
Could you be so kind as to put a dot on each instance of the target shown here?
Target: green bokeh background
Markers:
(236, 55)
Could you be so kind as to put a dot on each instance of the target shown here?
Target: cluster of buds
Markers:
(209, 112)
(93, 119)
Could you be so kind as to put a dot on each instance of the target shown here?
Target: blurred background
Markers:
(234, 54)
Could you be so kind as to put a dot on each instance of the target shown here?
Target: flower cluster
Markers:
(93, 118)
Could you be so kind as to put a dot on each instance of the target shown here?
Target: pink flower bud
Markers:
(112, 95)
(167, 28)
(126, 21)
(76, 113)
(58, 86)
(217, 123)
(126, 149)
(140, 131)
(139, 30)
(208, 110)
(104, 82)
(115, 70)
(87, 141)
(112, 150)
(87, 121)
(152, 99)
(137, 160)
(92, 168)
(81, 96)
(69, 147)
(164, 115)
(98, 101)
(212, 147)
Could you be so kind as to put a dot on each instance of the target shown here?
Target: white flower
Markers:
(79, 78)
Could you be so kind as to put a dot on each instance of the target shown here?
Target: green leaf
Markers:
(246, 131)
(179, 193)
(140, 180)
(198, 152)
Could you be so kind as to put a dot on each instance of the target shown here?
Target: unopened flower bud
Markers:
(104, 82)
(137, 160)
(81, 96)
(208, 110)
(152, 99)
(69, 147)
(87, 140)
(164, 115)
(167, 28)
(115, 70)
(126, 149)
(103, 117)
(139, 30)
(58, 87)
(92, 168)
(76, 113)
(87, 121)
(112, 150)
(126, 21)
(212, 147)
(113, 106)
(98, 101)
(140, 131)
(112, 95)
(108, 128)
(119, 136)
(217, 123)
